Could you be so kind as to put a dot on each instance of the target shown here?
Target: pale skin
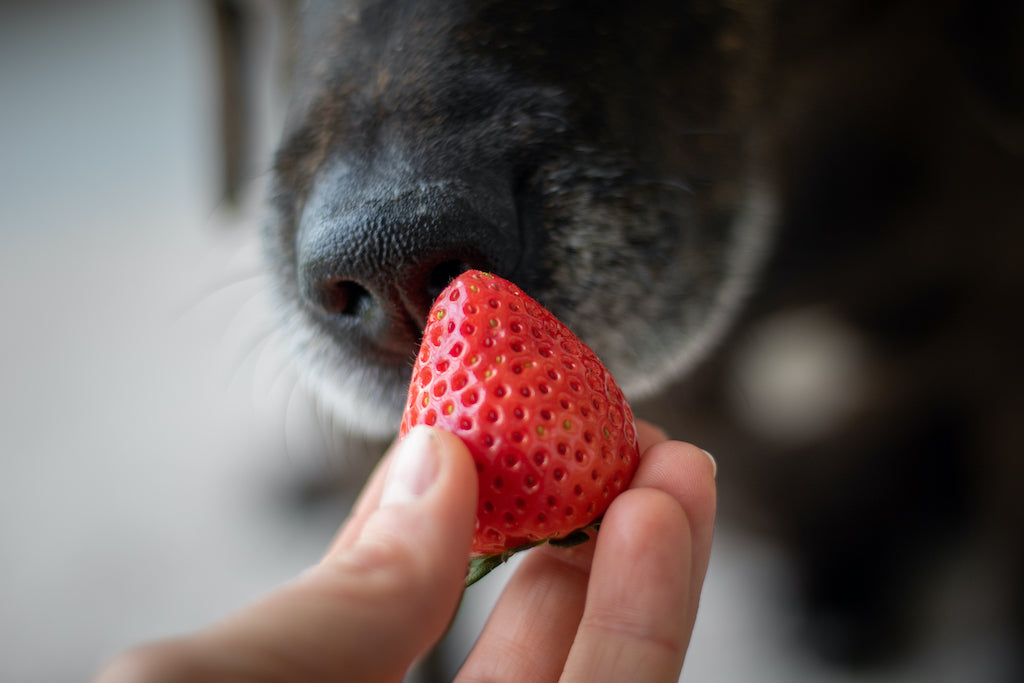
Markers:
(621, 608)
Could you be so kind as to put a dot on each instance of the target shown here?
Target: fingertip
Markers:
(428, 502)
(675, 459)
(714, 463)
(457, 457)
(414, 467)
(644, 522)
(649, 434)
(686, 473)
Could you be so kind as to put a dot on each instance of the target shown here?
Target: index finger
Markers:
(651, 557)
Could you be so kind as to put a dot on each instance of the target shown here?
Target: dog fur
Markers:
(663, 175)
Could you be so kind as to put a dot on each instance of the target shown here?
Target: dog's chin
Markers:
(362, 400)
(359, 397)
(366, 401)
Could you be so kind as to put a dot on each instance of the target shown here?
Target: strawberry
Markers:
(552, 436)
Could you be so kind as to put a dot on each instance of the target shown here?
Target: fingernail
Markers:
(714, 463)
(414, 467)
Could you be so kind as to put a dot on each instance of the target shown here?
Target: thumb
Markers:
(401, 579)
(369, 608)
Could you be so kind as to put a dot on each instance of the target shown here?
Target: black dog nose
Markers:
(370, 264)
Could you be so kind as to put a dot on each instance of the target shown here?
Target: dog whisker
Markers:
(211, 294)
(667, 182)
(254, 351)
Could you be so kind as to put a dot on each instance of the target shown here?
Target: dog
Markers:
(680, 181)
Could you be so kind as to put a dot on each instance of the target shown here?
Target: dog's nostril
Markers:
(441, 276)
(344, 297)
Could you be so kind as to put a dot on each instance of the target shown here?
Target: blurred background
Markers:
(149, 435)
(158, 465)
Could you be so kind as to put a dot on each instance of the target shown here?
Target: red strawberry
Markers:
(552, 435)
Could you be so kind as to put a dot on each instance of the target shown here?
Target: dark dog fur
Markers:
(660, 174)
(524, 140)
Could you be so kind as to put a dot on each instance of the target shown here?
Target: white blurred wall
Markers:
(141, 450)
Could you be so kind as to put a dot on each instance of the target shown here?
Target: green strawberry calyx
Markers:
(482, 565)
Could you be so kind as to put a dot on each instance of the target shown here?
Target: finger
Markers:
(649, 435)
(639, 612)
(531, 628)
(533, 624)
(369, 608)
(686, 473)
(402, 575)
(530, 631)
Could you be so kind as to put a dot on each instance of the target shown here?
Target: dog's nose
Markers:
(413, 288)
(371, 265)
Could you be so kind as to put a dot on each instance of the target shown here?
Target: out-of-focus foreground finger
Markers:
(528, 634)
(641, 602)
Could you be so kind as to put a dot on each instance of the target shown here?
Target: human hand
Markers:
(619, 607)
